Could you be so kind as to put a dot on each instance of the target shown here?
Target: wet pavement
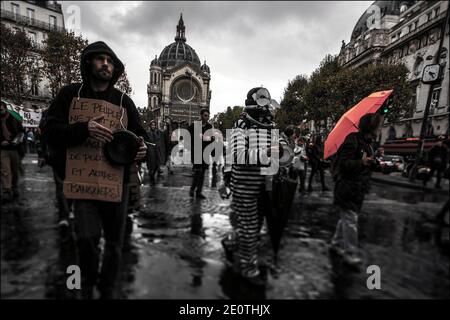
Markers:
(174, 250)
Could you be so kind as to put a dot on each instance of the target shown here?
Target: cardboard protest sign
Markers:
(89, 176)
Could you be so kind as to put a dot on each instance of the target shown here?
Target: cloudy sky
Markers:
(246, 44)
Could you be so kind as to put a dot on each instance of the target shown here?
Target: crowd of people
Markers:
(93, 218)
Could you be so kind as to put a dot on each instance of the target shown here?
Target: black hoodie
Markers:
(59, 134)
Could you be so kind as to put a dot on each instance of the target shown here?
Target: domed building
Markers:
(179, 83)
(409, 32)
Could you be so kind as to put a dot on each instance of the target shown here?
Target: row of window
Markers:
(431, 14)
(34, 88)
(414, 45)
(15, 8)
(31, 34)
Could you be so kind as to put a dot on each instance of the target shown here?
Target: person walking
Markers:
(300, 161)
(48, 156)
(154, 152)
(250, 144)
(11, 136)
(315, 156)
(438, 159)
(30, 141)
(352, 168)
(100, 70)
(199, 168)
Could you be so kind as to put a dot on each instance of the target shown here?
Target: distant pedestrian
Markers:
(30, 141)
(199, 168)
(438, 159)
(315, 156)
(352, 169)
(154, 151)
(11, 135)
(300, 162)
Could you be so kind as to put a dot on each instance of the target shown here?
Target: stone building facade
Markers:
(179, 85)
(408, 32)
(36, 19)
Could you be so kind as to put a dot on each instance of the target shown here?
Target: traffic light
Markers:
(387, 105)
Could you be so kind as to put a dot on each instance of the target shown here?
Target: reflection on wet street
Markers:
(174, 250)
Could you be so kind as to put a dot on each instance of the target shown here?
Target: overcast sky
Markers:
(246, 44)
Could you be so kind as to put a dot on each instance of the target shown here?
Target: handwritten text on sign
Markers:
(88, 174)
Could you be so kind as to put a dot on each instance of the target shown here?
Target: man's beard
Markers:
(102, 75)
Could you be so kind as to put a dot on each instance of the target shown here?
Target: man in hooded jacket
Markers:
(100, 70)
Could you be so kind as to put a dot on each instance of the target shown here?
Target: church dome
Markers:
(386, 8)
(179, 51)
(155, 62)
(205, 68)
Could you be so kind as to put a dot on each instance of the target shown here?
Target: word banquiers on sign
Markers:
(89, 175)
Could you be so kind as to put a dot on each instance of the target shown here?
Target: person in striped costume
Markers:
(250, 153)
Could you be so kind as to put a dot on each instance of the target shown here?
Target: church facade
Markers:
(179, 85)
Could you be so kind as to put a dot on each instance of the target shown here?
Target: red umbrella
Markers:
(348, 123)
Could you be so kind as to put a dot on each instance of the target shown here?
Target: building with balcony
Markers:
(36, 19)
(179, 85)
(407, 32)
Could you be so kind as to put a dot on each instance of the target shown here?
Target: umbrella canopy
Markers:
(348, 123)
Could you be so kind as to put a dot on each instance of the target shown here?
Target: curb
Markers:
(409, 185)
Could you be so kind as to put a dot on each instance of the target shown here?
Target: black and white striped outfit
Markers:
(247, 186)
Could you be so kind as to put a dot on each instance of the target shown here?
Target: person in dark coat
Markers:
(199, 168)
(154, 151)
(11, 135)
(437, 158)
(100, 70)
(352, 169)
(315, 156)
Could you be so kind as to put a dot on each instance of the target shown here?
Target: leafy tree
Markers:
(330, 91)
(19, 64)
(225, 120)
(123, 84)
(292, 105)
(61, 58)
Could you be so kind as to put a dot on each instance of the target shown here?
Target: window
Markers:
(52, 22)
(429, 15)
(405, 51)
(33, 37)
(436, 11)
(34, 88)
(435, 99)
(424, 41)
(30, 14)
(15, 9)
(392, 133)
(409, 131)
